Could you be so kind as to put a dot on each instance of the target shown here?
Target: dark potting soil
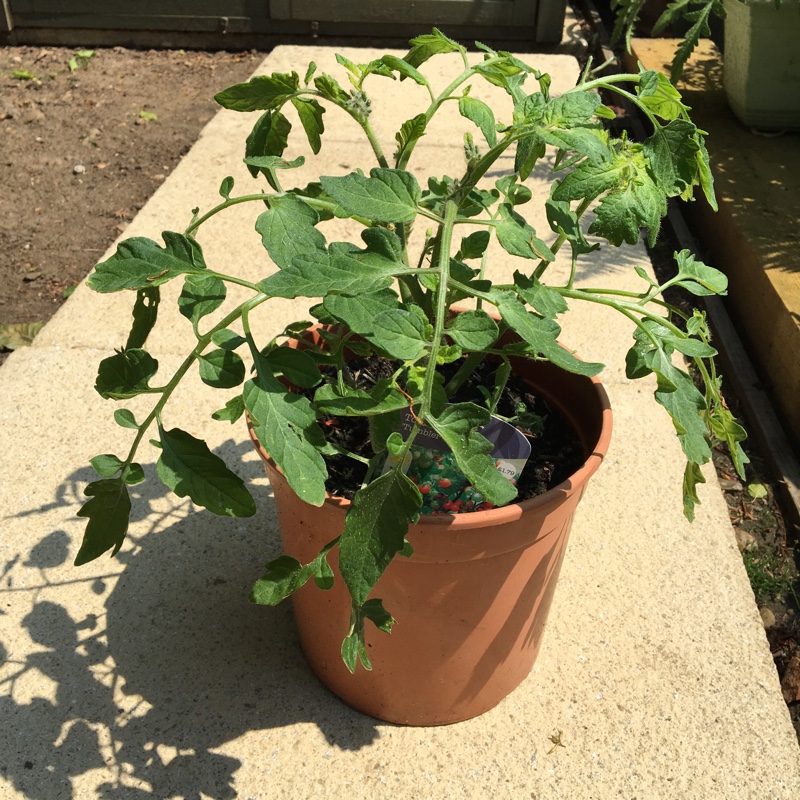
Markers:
(556, 449)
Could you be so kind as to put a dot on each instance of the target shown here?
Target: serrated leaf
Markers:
(388, 195)
(139, 263)
(657, 93)
(125, 374)
(260, 93)
(672, 152)
(287, 229)
(519, 238)
(478, 112)
(473, 330)
(430, 44)
(358, 312)
(310, 113)
(232, 412)
(375, 529)
(621, 214)
(285, 424)
(108, 510)
(400, 333)
(201, 295)
(106, 465)
(222, 369)
(330, 89)
(190, 469)
(457, 426)
(540, 335)
(343, 268)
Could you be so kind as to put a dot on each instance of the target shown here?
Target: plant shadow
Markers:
(149, 671)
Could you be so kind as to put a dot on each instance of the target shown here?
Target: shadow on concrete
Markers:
(178, 664)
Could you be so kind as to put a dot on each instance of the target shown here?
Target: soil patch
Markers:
(84, 142)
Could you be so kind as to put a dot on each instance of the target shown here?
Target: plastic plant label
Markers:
(431, 465)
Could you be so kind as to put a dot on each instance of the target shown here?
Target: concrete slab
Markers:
(151, 676)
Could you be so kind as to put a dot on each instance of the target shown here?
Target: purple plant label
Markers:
(431, 465)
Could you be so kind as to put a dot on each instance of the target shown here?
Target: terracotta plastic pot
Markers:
(472, 601)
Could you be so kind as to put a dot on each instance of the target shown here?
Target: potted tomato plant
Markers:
(397, 424)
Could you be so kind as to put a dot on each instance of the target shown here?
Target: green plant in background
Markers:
(80, 59)
(771, 572)
(390, 294)
(697, 12)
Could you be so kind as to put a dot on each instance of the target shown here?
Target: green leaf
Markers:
(330, 89)
(227, 339)
(232, 412)
(375, 528)
(564, 220)
(358, 312)
(541, 336)
(478, 112)
(125, 374)
(297, 366)
(310, 113)
(518, 238)
(259, 93)
(620, 214)
(430, 44)
(226, 187)
(383, 398)
(343, 268)
(201, 295)
(287, 229)
(457, 426)
(410, 132)
(692, 475)
(132, 474)
(698, 278)
(375, 612)
(672, 151)
(400, 333)
(145, 313)
(354, 648)
(547, 301)
(222, 369)
(108, 510)
(106, 465)
(265, 145)
(286, 575)
(140, 263)
(473, 330)
(474, 245)
(381, 427)
(125, 419)
(405, 69)
(660, 96)
(285, 424)
(388, 195)
(189, 468)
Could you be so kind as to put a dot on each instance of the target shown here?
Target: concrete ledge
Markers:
(150, 675)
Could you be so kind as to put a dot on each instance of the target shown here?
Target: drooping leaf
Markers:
(564, 220)
(672, 152)
(383, 398)
(310, 113)
(285, 424)
(375, 528)
(108, 510)
(457, 426)
(125, 374)
(265, 145)
(387, 195)
(482, 115)
(544, 299)
(285, 575)
(405, 69)
(189, 468)
(698, 278)
(517, 237)
(287, 229)
(541, 335)
(260, 93)
(692, 476)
